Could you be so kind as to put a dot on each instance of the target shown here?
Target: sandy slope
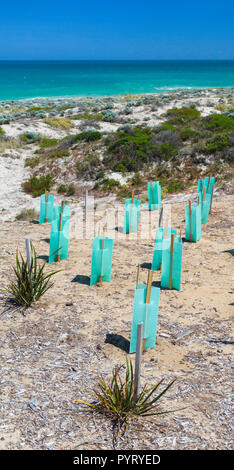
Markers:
(50, 357)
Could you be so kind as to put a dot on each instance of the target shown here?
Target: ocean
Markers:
(30, 79)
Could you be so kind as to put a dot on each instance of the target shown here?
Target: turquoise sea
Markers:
(28, 79)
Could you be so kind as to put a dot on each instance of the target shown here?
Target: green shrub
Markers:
(186, 133)
(29, 284)
(32, 162)
(108, 184)
(216, 143)
(219, 122)
(117, 400)
(175, 186)
(46, 142)
(69, 190)
(89, 117)
(38, 186)
(136, 179)
(183, 115)
(2, 132)
(59, 154)
(30, 137)
(167, 151)
(27, 214)
(167, 127)
(88, 136)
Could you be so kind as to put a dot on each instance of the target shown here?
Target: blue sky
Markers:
(109, 29)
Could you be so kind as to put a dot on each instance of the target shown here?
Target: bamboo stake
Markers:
(204, 195)
(152, 189)
(138, 361)
(47, 197)
(190, 221)
(211, 199)
(130, 221)
(171, 259)
(147, 299)
(86, 204)
(60, 225)
(103, 246)
(138, 275)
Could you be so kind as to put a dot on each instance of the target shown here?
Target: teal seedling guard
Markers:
(101, 260)
(204, 200)
(146, 313)
(131, 215)
(154, 195)
(59, 235)
(193, 230)
(207, 182)
(46, 208)
(158, 247)
(66, 212)
(172, 263)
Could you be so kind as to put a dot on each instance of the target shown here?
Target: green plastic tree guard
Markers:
(59, 240)
(158, 247)
(206, 183)
(101, 260)
(154, 195)
(204, 205)
(171, 264)
(131, 215)
(193, 223)
(46, 208)
(66, 212)
(146, 313)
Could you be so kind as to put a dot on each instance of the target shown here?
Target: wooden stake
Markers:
(204, 195)
(138, 275)
(171, 259)
(211, 199)
(86, 204)
(47, 197)
(147, 299)
(130, 221)
(190, 221)
(60, 224)
(103, 246)
(138, 361)
(152, 189)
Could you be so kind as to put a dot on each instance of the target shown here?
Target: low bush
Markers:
(27, 214)
(88, 136)
(30, 137)
(218, 122)
(38, 186)
(216, 143)
(183, 115)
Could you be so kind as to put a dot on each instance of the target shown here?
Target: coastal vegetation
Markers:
(120, 143)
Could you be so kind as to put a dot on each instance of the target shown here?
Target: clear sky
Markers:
(116, 29)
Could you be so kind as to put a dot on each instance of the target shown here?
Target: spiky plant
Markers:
(29, 283)
(118, 400)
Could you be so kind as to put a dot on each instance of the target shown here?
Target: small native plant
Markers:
(29, 283)
(117, 400)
